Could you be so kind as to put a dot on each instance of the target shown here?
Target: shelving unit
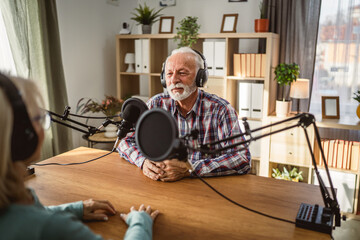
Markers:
(224, 86)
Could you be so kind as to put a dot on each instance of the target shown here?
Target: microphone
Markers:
(157, 137)
(130, 113)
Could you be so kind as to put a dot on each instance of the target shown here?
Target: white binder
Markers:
(219, 59)
(208, 52)
(256, 100)
(244, 99)
(145, 56)
(138, 55)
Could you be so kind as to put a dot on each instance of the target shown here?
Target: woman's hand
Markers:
(97, 209)
(153, 214)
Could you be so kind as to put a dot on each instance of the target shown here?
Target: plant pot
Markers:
(146, 29)
(358, 111)
(261, 25)
(110, 131)
(283, 108)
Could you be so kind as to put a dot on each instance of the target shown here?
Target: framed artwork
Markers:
(167, 3)
(166, 24)
(229, 22)
(330, 107)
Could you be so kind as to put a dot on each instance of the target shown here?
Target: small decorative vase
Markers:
(358, 111)
(110, 131)
(283, 108)
(146, 29)
(261, 25)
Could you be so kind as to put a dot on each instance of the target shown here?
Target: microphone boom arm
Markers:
(305, 120)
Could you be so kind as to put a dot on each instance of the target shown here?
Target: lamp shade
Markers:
(129, 58)
(300, 88)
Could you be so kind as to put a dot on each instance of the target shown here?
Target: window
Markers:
(7, 64)
(337, 68)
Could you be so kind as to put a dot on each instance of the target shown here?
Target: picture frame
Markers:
(166, 24)
(229, 23)
(330, 108)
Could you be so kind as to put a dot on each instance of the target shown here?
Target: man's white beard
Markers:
(188, 90)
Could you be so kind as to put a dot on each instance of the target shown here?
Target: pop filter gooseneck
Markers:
(157, 138)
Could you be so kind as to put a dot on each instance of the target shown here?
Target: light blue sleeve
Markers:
(75, 208)
(140, 226)
(64, 225)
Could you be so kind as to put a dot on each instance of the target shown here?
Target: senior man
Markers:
(183, 73)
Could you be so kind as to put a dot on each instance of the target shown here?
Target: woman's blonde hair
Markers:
(11, 184)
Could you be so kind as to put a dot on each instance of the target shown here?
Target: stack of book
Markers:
(249, 64)
(341, 154)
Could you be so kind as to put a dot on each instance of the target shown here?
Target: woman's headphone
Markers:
(24, 139)
(201, 75)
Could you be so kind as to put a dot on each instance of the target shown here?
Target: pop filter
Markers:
(156, 136)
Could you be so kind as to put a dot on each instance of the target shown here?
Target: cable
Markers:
(68, 164)
(239, 205)
(89, 117)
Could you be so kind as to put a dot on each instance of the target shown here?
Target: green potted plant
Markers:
(146, 16)
(357, 98)
(262, 24)
(285, 74)
(293, 175)
(187, 33)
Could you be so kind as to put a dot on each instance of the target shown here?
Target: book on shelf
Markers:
(237, 64)
(249, 64)
(355, 156)
(341, 154)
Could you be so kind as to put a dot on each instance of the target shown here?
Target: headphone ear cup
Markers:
(201, 77)
(162, 76)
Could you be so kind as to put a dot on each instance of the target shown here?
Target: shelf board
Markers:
(203, 35)
(338, 169)
(238, 78)
(292, 164)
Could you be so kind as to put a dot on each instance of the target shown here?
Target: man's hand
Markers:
(153, 170)
(173, 170)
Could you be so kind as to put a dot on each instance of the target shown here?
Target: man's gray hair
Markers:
(198, 60)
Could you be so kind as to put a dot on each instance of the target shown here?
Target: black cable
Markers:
(89, 117)
(68, 164)
(239, 205)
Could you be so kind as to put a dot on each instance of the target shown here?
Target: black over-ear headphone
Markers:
(201, 75)
(24, 139)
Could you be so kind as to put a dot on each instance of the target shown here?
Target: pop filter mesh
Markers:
(156, 132)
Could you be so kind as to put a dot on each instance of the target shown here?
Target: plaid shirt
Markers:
(215, 119)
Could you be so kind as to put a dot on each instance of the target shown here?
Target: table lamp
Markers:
(130, 59)
(299, 90)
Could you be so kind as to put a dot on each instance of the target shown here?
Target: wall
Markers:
(88, 29)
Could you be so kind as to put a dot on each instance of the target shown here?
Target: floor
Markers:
(349, 229)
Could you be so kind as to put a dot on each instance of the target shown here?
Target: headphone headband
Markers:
(201, 75)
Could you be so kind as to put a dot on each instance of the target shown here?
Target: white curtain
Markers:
(337, 68)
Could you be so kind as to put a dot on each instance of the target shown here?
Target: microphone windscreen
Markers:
(132, 109)
(131, 114)
(156, 134)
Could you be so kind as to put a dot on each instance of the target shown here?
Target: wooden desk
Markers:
(189, 209)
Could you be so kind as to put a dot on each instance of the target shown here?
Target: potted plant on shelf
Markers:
(262, 24)
(285, 74)
(357, 98)
(110, 107)
(146, 16)
(187, 33)
(293, 175)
